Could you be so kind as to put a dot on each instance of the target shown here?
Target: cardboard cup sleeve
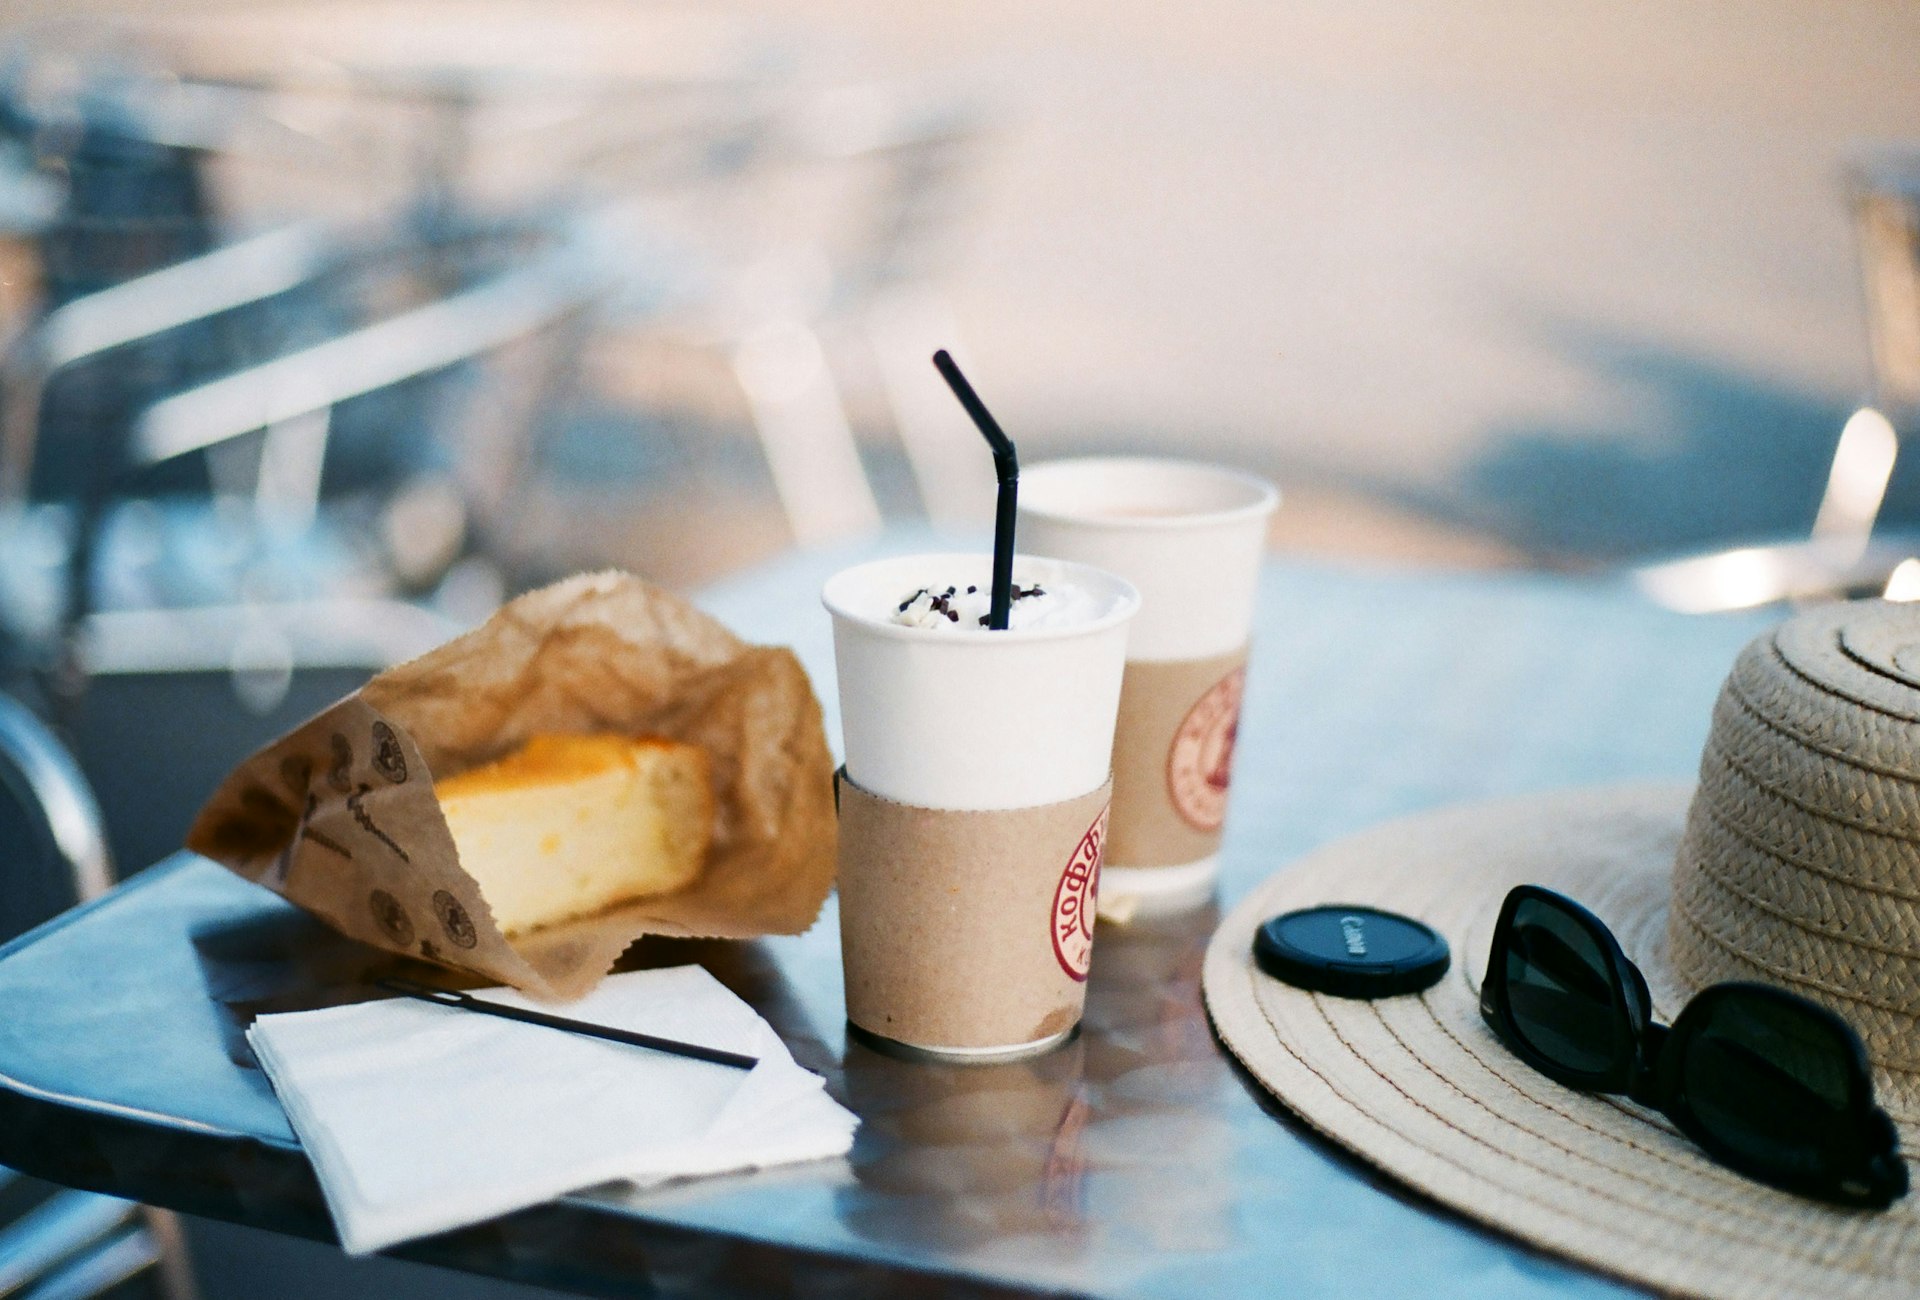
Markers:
(1173, 758)
(968, 930)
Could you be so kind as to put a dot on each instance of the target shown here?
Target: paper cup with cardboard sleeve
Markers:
(973, 803)
(1190, 537)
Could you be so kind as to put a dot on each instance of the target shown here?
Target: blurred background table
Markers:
(1136, 1161)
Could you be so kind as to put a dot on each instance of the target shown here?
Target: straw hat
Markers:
(1795, 861)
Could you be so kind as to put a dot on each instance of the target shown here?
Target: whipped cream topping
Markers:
(964, 607)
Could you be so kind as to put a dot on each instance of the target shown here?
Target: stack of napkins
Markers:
(420, 1118)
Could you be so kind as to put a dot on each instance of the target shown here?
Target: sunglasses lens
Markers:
(1770, 1080)
(1560, 988)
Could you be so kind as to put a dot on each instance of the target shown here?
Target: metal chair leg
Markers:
(805, 434)
(174, 1267)
(904, 328)
(58, 1237)
(121, 1258)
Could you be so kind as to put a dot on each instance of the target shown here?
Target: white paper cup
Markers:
(975, 720)
(943, 956)
(1190, 537)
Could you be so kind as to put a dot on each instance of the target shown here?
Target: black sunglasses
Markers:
(1769, 1084)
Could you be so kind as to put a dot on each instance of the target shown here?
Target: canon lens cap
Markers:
(1351, 952)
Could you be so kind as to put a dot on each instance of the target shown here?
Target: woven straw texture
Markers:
(1800, 863)
(1420, 1087)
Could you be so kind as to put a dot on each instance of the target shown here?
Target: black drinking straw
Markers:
(1006, 467)
(464, 1002)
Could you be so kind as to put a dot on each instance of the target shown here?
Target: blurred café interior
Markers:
(328, 325)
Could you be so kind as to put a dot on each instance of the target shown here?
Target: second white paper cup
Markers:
(1190, 536)
(976, 720)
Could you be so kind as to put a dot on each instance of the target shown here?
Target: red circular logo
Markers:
(1073, 901)
(1200, 763)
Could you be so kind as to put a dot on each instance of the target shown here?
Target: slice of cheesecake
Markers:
(568, 825)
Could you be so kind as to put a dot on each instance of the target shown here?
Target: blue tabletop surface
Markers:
(1138, 1161)
(1371, 694)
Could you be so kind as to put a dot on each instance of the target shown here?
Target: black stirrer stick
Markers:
(631, 1037)
(1006, 468)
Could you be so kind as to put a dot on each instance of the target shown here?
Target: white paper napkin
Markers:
(420, 1118)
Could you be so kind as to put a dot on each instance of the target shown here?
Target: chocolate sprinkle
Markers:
(942, 602)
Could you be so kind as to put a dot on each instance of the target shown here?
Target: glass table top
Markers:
(1137, 1160)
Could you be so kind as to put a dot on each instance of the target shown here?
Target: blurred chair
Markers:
(162, 696)
(154, 132)
(466, 106)
(545, 298)
(56, 1242)
(1886, 210)
(893, 166)
(1844, 556)
(88, 334)
(1841, 559)
(821, 223)
(920, 155)
(832, 230)
(474, 432)
(55, 845)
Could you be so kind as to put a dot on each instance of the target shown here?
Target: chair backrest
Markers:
(517, 290)
(1885, 189)
(53, 848)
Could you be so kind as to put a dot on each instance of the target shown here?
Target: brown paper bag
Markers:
(339, 815)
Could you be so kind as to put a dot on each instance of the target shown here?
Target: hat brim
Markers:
(1421, 1088)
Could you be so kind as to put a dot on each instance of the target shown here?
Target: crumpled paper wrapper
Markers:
(339, 815)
